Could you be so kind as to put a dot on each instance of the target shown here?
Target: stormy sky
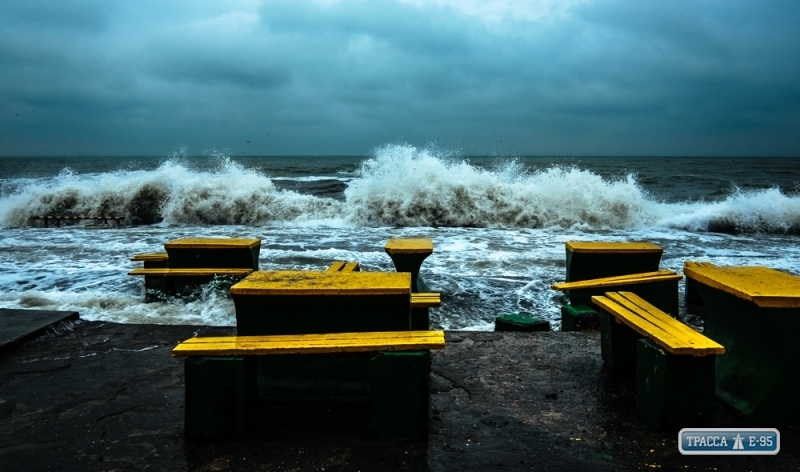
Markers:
(325, 77)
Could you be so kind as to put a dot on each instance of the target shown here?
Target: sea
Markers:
(498, 223)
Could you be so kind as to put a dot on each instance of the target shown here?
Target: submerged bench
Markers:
(58, 219)
(659, 287)
(221, 392)
(343, 266)
(674, 364)
(755, 311)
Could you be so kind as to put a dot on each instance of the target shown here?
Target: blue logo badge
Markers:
(729, 441)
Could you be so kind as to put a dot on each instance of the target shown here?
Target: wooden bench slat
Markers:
(681, 331)
(344, 266)
(311, 343)
(172, 272)
(644, 277)
(336, 266)
(151, 257)
(426, 300)
(351, 266)
(648, 321)
(645, 327)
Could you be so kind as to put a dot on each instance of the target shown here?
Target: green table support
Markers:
(220, 397)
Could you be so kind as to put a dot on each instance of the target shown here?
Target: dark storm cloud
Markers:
(335, 77)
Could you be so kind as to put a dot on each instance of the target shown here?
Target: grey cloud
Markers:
(72, 14)
(606, 78)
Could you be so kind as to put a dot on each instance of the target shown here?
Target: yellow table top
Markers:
(324, 283)
(598, 247)
(409, 246)
(767, 288)
(213, 243)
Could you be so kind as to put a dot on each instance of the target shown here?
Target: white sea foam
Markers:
(399, 186)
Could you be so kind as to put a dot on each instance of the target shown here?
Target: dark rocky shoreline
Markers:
(106, 396)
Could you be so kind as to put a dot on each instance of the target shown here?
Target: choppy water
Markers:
(498, 224)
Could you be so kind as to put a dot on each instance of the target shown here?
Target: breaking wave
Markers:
(400, 185)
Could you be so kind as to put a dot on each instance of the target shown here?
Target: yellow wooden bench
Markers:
(221, 387)
(152, 260)
(659, 287)
(343, 266)
(150, 257)
(426, 300)
(674, 364)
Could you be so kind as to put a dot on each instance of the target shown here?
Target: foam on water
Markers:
(399, 186)
(481, 273)
(498, 232)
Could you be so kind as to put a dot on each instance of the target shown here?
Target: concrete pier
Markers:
(105, 396)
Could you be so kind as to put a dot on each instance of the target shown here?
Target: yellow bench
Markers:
(342, 266)
(426, 300)
(221, 393)
(674, 364)
(659, 287)
(152, 260)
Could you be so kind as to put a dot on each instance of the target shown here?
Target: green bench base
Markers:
(221, 393)
(579, 318)
(673, 391)
(519, 322)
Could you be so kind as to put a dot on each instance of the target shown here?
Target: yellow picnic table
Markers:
(598, 259)
(754, 312)
(317, 302)
(213, 253)
(305, 302)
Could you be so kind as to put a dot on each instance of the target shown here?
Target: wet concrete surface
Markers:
(105, 396)
(18, 326)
